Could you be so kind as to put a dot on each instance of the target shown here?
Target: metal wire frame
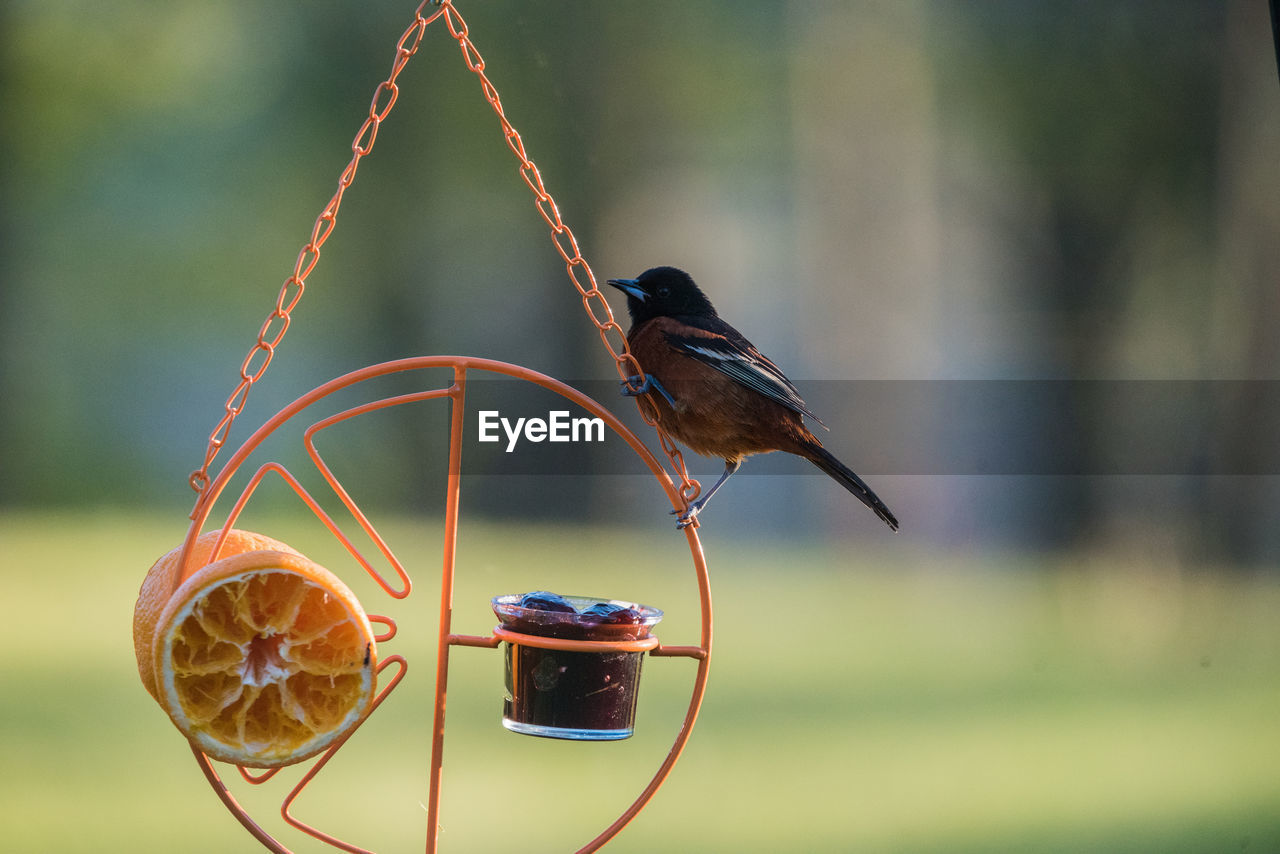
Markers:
(455, 393)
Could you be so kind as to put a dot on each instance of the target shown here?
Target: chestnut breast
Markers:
(714, 415)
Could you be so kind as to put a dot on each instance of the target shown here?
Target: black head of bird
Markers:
(663, 292)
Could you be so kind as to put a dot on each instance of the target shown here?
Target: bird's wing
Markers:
(729, 352)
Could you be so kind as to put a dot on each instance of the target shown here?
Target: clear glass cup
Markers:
(573, 675)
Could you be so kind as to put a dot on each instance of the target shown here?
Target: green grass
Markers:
(897, 701)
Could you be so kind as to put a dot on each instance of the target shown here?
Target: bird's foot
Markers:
(633, 387)
(688, 516)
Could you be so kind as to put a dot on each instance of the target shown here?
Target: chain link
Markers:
(566, 245)
(260, 355)
(562, 237)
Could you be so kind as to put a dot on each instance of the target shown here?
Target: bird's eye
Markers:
(664, 292)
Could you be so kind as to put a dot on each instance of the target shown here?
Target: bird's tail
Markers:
(840, 473)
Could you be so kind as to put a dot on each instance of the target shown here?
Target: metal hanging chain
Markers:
(277, 322)
(567, 245)
(384, 98)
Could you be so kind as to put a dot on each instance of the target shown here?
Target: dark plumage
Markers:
(714, 391)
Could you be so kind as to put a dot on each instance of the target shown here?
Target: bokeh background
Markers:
(1067, 210)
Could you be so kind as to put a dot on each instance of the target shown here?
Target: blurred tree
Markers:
(1244, 314)
(886, 190)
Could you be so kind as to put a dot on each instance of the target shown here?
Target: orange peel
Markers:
(262, 658)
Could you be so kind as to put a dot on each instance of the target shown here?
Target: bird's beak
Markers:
(630, 288)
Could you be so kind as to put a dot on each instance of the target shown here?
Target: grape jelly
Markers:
(572, 694)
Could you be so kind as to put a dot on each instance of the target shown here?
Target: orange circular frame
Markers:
(401, 586)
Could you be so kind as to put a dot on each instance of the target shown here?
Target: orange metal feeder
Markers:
(456, 394)
(679, 487)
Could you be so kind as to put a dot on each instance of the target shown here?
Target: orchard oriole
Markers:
(715, 392)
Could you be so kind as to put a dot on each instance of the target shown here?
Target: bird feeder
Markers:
(588, 668)
(570, 677)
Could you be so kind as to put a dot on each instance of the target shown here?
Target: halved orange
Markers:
(262, 658)
(158, 585)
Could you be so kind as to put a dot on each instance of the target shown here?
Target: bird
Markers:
(712, 390)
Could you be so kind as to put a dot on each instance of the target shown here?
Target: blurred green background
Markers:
(871, 191)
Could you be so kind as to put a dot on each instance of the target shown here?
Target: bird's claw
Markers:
(632, 386)
(688, 516)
